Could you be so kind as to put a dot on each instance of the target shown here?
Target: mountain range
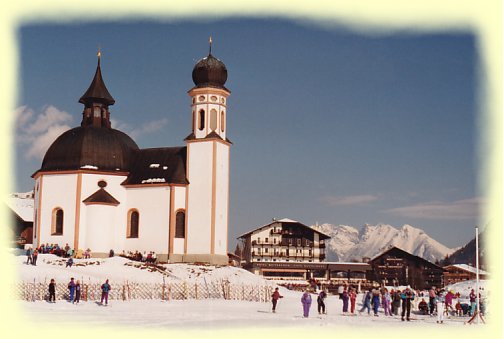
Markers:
(348, 243)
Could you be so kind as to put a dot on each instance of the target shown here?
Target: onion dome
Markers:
(91, 148)
(209, 72)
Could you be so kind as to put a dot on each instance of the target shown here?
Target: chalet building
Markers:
(20, 217)
(283, 240)
(397, 267)
(461, 272)
(97, 189)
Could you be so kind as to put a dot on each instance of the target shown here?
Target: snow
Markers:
(469, 268)
(21, 204)
(154, 165)
(206, 314)
(89, 167)
(151, 180)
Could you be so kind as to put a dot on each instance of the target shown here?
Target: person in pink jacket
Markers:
(386, 302)
(352, 299)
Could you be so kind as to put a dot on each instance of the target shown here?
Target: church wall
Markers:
(200, 156)
(221, 198)
(179, 204)
(153, 204)
(116, 215)
(100, 228)
(58, 191)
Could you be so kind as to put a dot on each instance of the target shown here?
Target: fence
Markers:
(161, 291)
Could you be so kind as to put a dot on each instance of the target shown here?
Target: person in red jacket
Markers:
(275, 297)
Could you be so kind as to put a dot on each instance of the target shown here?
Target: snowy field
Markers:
(205, 314)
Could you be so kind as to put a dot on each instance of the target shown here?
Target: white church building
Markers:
(97, 189)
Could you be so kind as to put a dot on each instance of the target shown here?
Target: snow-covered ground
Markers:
(206, 314)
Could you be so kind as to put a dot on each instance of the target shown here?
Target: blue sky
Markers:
(329, 125)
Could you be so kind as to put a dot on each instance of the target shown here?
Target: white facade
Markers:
(89, 208)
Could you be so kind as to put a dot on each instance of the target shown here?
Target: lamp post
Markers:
(477, 266)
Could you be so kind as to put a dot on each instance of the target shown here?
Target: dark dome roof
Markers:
(103, 149)
(209, 72)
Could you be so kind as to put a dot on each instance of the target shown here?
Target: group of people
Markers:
(149, 257)
(75, 289)
(31, 256)
(65, 251)
(440, 302)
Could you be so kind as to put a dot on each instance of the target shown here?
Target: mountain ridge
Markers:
(348, 243)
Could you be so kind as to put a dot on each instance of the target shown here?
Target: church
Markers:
(97, 189)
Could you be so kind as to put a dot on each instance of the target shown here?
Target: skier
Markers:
(396, 302)
(352, 299)
(376, 299)
(69, 262)
(321, 301)
(407, 297)
(366, 301)
(432, 295)
(448, 301)
(34, 257)
(105, 288)
(345, 301)
(440, 308)
(340, 290)
(275, 297)
(28, 256)
(386, 302)
(306, 302)
(77, 292)
(71, 288)
(52, 291)
(473, 302)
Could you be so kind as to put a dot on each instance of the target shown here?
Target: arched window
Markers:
(57, 221)
(133, 224)
(222, 121)
(180, 225)
(213, 119)
(201, 119)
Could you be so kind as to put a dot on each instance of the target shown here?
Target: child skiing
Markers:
(105, 288)
(366, 301)
(52, 291)
(275, 297)
(71, 288)
(321, 301)
(77, 292)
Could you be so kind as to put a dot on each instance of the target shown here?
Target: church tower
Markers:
(208, 164)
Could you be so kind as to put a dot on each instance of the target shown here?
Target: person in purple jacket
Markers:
(306, 303)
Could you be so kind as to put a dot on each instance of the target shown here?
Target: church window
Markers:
(133, 224)
(222, 121)
(57, 221)
(201, 119)
(180, 225)
(213, 119)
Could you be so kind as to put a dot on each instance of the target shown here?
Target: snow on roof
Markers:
(22, 205)
(286, 220)
(469, 268)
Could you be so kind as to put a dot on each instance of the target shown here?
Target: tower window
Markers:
(201, 119)
(133, 224)
(213, 119)
(222, 121)
(180, 225)
(57, 221)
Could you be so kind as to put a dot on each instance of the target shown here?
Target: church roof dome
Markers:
(209, 72)
(90, 147)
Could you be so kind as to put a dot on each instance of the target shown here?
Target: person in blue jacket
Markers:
(407, 297)
(306, 303)
(366, 301)
(71, 288)
(105, 288)
(376, 301)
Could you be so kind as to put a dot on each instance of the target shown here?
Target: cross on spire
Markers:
(210, 42)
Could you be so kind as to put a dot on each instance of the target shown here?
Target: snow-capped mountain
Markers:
(347, 243)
